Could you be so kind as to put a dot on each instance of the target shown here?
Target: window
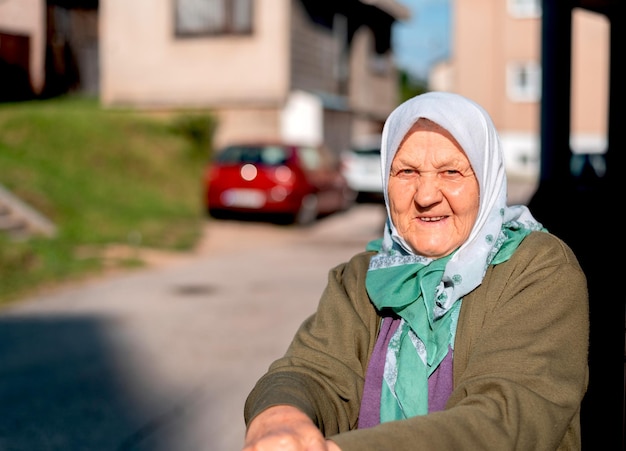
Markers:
(523, 82)
(524, 9)
(212, 17)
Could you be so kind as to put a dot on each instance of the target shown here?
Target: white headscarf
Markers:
(475, 132)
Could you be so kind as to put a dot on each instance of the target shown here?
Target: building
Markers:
(299, 70)
(48, 48)
(496, 60)
(22, 48)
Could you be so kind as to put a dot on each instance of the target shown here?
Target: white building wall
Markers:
(140, 61)
(486, 38)
(28, 17)
(590, 82)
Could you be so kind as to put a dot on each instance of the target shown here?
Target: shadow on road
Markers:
(69, 383)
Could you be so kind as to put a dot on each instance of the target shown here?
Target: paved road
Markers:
(162, 359)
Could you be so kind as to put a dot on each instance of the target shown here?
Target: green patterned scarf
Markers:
(427, 293)
(413, 291)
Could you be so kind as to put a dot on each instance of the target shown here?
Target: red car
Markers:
(298, 183)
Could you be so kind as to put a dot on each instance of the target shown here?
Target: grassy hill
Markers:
(104, 178)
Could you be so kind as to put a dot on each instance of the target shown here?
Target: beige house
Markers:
(22, 45)
(299, 70)
(48, 48)
(496, 60)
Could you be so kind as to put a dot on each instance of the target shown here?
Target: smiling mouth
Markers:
(433, 219)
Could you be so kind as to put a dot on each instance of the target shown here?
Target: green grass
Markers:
(103, 177)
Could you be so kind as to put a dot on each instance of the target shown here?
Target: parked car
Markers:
(360, 166)
(285, 182)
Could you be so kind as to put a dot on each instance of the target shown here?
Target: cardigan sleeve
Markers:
(322, 372)
(520, 362)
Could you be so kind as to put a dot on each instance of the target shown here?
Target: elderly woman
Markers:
(464, 327)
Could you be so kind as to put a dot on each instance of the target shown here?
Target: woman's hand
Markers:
(285, 428)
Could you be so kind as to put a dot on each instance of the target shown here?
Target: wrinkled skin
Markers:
(433, 191)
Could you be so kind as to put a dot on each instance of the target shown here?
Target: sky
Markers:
(424, 38)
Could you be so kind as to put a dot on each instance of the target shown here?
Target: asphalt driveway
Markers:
(162, 359)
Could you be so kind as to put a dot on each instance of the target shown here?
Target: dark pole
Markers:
(615, 159)
(556, 28)
(582, 211)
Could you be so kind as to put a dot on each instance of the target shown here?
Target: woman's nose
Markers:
(427, 191)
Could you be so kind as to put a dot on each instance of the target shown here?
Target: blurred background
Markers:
(306, 71)
(111, 109)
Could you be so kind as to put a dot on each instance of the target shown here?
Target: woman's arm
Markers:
(323, 370)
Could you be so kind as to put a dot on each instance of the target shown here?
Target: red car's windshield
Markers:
(263, 155)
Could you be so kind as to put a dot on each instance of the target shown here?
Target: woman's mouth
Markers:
(433, 218)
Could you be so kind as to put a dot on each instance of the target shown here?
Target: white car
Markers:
(361, 168)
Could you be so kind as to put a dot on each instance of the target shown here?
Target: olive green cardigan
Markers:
(520, 360)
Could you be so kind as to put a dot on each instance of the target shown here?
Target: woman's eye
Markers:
(406, 173)
(402, 171)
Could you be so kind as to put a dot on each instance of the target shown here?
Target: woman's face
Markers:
(433, 191)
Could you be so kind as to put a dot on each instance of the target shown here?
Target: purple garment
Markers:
(439, 382)
(369, 414)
